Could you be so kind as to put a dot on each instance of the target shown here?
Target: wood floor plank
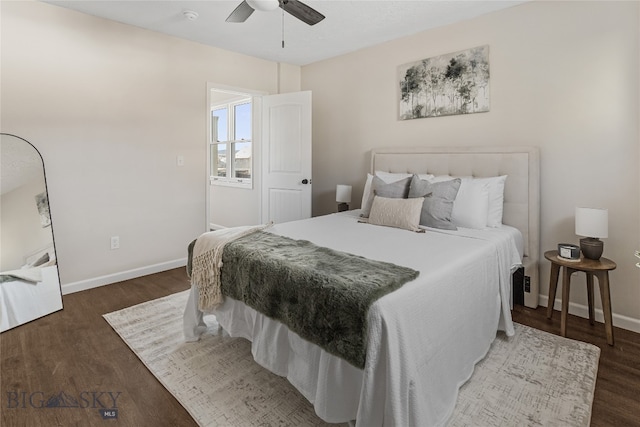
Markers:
(75, 351)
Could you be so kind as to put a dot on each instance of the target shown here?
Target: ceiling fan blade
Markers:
(240, 13)
(301, 11)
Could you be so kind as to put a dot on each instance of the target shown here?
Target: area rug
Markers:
(533, 378)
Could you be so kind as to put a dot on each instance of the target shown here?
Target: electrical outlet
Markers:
(115, 242)
(527, 284)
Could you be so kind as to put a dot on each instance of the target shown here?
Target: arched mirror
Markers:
(29, 280)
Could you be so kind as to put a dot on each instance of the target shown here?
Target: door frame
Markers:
(256, 139)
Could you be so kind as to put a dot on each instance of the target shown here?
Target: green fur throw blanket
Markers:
(321, 294)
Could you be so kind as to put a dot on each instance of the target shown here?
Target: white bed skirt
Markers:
(335, 396)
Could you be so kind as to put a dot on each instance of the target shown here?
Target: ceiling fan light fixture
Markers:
(264, 5)
(295, 8)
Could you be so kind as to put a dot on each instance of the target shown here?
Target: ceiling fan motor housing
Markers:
(264, 5)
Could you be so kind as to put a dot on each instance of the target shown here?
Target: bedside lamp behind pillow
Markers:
(343, 197)
(593, 224)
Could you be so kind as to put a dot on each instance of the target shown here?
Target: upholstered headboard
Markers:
(521, 193)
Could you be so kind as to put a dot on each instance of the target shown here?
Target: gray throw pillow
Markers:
(394, 190)
(436, 210)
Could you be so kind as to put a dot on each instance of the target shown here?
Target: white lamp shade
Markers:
(343, 193)
(592, 222)
(264, 5)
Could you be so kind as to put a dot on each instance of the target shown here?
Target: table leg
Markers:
(590, 296)
(566, 280)
(603, 282)
(553, 285)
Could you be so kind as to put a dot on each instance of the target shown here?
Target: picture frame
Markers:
(444, 85)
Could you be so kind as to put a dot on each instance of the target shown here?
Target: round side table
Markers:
(598, 268)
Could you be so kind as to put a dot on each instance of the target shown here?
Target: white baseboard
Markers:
(580, 310)
(95, 282)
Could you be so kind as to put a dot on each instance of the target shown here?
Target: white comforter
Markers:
(423, 339)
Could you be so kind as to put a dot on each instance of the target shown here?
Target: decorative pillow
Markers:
(436, 210)
(470, 208)
(399, 213)
(388, 177)
(394, 190)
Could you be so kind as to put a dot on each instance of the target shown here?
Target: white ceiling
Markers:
(348, 26)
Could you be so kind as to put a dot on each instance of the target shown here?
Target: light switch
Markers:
(180, 160)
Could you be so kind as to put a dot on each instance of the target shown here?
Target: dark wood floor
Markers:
(76, 352)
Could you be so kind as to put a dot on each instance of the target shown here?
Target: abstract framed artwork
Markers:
(455, 83)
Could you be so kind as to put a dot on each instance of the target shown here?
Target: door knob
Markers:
(305, 181)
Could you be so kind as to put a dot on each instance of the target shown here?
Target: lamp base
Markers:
(591, 247)
(343, 207)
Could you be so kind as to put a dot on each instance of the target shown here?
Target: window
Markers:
(231, 145)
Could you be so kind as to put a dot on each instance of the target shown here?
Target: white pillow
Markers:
(390, 177)
(496, 199)
(426, 176)
(366, 193)
(471, 206)
(496, 195)
(399, 213)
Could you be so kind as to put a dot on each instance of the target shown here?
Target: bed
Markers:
(30, 292)
(423, 339)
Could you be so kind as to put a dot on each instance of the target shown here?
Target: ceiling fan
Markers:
(294, 7)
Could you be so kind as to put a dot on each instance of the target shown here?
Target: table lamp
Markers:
(592, 224)
(343, 197)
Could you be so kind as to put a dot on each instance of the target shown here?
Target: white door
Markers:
(286, 157)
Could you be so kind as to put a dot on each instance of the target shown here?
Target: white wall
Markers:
(564, 77)
(110, 107)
